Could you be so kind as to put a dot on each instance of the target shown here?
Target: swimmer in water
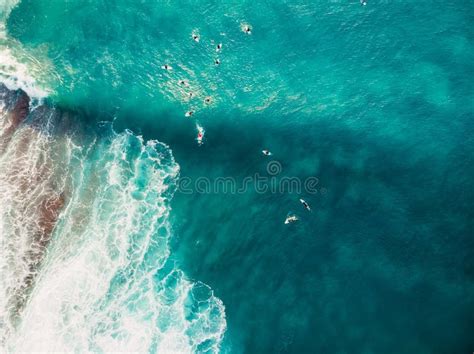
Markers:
(189, 113)
(207, 100)
(167, 67)
(306, 205)
(291, 219)
(219, 47)
(217, 61)
(183, 82)
(363, 2)
(266, 152)
(195, 37)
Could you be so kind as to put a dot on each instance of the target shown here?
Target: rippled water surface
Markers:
(103, 250)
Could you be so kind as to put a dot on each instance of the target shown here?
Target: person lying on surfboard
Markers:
(291, 219)
(200, 134)
(306, 205)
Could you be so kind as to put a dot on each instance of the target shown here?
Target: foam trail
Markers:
(84, 232)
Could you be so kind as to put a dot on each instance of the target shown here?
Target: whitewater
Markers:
(103, 251)
(85, 263)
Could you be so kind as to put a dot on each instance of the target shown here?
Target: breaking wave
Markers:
(84, 235)
(84, 232)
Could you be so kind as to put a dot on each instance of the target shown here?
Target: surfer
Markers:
(217, 61)
(200, 134)
(167, 67)
(183, 82)
(207, 100)
(247, 29)
(266, 152)
(363, 2)
(291, 219)
(195, 37)
(306, 205)
(189, 113)
(219, 47)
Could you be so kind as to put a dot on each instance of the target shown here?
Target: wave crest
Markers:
(100, 277)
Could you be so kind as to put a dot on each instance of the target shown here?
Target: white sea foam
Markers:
(101, 280)
(104, 283)
(30, 185)
(17, 75)
(5, 8)
(18, 68)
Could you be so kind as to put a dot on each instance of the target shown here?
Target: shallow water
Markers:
(375, 101)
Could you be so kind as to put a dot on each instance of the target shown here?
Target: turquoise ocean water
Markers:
(375, 101)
